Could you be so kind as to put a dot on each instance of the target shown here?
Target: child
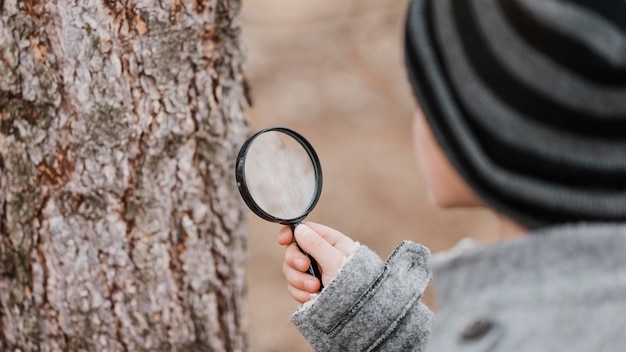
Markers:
(524, 111)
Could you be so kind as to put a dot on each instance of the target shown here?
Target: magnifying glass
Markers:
(279, 177)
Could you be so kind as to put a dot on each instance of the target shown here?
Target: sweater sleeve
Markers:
(371, 305)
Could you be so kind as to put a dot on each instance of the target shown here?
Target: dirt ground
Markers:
(334, 72)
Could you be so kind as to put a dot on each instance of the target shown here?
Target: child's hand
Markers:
(328, 246)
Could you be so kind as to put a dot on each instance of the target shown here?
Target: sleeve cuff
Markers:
(367, 299)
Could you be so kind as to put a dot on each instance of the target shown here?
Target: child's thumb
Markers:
(316, 246)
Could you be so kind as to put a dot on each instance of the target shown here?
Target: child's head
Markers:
(527, 101)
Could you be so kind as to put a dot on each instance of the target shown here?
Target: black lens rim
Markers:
(243, 187)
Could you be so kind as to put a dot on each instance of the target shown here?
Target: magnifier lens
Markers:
(280, 175)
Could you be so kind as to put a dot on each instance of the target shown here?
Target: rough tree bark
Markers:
(120, 226)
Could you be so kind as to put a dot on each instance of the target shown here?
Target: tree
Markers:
(120, 225)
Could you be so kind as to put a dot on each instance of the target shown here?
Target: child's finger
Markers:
(295, 258)
(285, 235)
(301, 281)
(332, 236)
(299, 295)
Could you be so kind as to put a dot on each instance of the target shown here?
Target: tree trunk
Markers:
(120, 225)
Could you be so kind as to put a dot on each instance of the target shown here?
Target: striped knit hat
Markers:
(528, 100)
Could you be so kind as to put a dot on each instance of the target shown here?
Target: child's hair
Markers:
(528, 100)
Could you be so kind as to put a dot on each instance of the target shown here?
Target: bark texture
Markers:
(120, 225)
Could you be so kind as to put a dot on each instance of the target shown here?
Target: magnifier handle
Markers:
(314, 269)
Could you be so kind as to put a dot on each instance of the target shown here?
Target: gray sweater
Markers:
(559, 289)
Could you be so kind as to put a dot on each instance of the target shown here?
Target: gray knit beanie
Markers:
(528, 100)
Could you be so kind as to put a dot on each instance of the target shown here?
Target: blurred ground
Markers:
(334, 72)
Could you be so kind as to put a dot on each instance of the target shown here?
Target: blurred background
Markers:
(333, 71)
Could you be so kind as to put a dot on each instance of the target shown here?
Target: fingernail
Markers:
(300, 263)
(303, 230)
(310, 285)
